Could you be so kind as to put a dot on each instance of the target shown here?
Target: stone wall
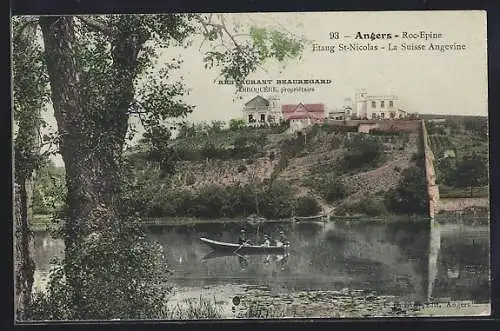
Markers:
(432, 187)
(399, 125)
(460, 204)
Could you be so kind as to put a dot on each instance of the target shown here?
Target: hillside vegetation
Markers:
(210, 172)
(239, 172)
(460, 146)
(271, 173)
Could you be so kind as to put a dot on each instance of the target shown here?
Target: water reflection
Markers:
(412, 260)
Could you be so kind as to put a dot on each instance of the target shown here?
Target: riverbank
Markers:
(263, 302)
(45, 222)
(233, 301)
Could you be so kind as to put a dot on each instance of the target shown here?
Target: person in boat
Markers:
(242, 240)
(282, 240)
(267, 243)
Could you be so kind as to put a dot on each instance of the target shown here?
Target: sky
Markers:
(452, 82)
(426, 82)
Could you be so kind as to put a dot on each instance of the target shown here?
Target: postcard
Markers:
(251, 166)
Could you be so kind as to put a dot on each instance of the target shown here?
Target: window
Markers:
(250, 118)
(392, 114)
(382, 115)
(382, 104)
(374, 104)
(373, 115)
(391, 104)
(262, 117)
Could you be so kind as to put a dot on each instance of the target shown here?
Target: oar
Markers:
(236, 250)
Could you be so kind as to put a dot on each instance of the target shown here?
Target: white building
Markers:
(377, 107)
(344, 113)
(260, 111)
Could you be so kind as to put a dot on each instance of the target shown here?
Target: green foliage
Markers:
(49, 189)
(123, 278)
(292, 147)
(435, 129)
(307, 206)
(148, 195)
(419, 159)
(242, 168)
(332, 189)
(466, 146)
(236, 124)
(372, 207)
(471, 171)
(369, 207)
(410, 196)
(30, 94)
(272, 43)
(363, 151)
(245, 57)
(477, 125)
(277, 201)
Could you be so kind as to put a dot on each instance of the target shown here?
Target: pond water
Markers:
(343, 269)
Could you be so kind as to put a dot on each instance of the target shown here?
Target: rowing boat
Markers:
(224, 248)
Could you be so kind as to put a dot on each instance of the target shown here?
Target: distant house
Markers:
(303, 115)
(377, 107)
(260, 111)
(344, 113)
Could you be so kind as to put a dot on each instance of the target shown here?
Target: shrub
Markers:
(292, 147)
(277, 201)
(307, 206)
(242, 168)
(410, 195)
(236, 124)
(125, 282)
(335, 143)
(210, 201)
(372, 207)
(190, 179)
(363, 152)
(333, 189)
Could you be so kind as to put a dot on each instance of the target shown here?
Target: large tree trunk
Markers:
(91, 148)
(27, 151)
(86, 187)
(25, 265)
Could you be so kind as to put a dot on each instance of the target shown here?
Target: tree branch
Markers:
(97, 26)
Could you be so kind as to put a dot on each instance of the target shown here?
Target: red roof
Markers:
(311, 107)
